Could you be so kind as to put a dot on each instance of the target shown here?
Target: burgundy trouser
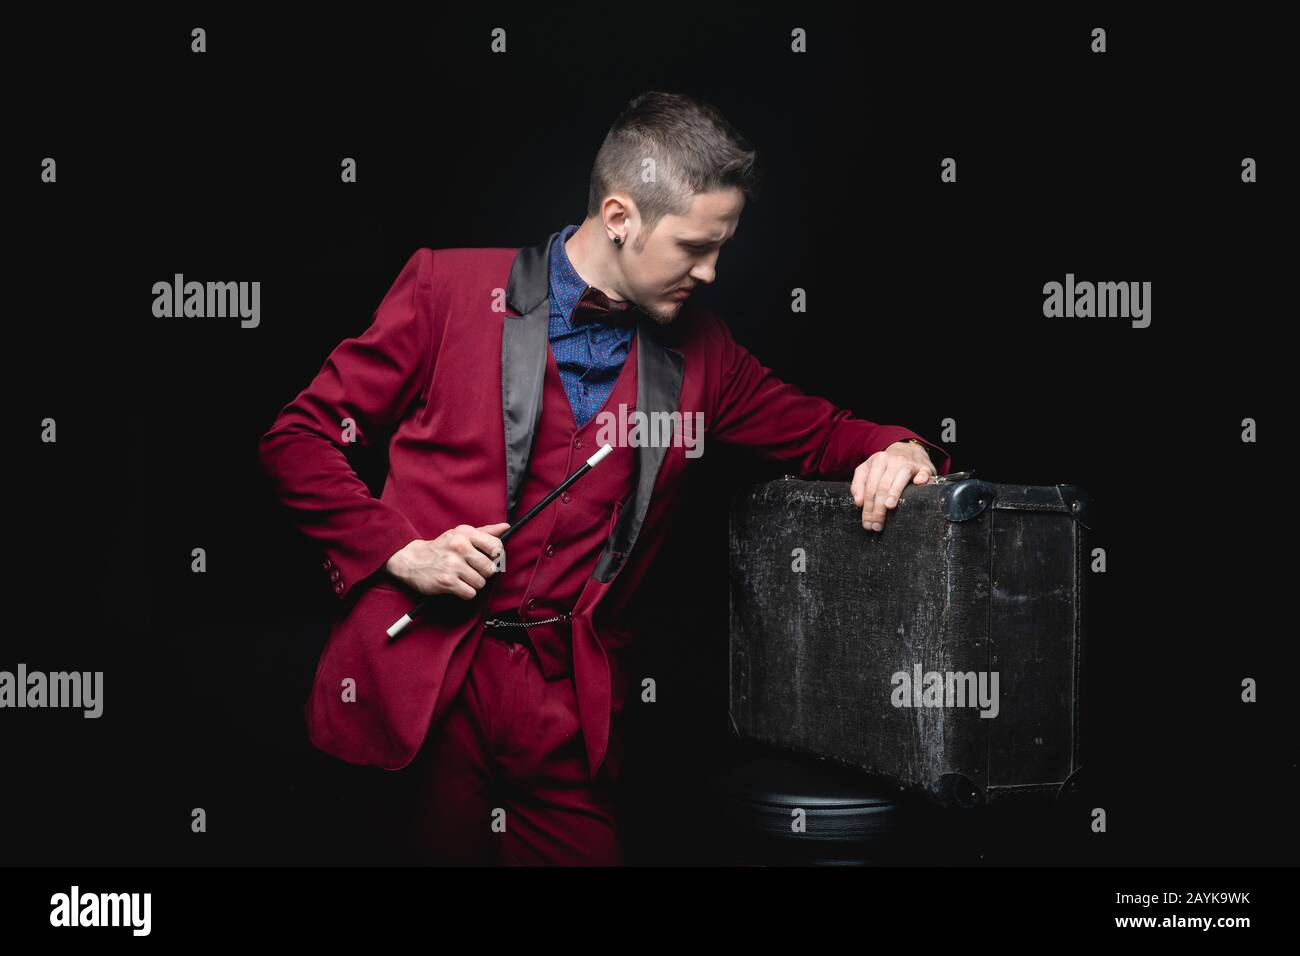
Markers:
(511, 742)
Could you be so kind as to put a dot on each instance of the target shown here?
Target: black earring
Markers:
(618, 240)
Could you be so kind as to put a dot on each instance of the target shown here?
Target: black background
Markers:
(925, 303)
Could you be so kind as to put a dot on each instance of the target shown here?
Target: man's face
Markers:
(681, 253)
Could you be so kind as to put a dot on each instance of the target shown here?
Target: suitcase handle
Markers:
(955, 476)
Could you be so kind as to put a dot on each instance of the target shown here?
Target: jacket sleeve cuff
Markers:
(346, 563)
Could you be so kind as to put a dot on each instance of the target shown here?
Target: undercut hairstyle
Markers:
(694, 148)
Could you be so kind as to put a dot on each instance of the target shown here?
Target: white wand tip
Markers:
(400, 625)
(595, 459)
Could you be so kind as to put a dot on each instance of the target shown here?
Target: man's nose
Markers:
(703, 274)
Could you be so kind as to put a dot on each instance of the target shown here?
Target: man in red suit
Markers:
(494, 374)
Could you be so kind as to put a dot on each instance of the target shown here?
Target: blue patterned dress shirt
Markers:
(591, 355)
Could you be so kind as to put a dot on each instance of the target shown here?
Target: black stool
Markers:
(849, 819)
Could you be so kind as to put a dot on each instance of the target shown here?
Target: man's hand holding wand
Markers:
(460, 561)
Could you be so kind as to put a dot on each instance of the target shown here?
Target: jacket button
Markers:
(326, 564)
(334, 575)
(532, 603)
(577, 443)
(565, 497)
(550, 550)
(338, 588)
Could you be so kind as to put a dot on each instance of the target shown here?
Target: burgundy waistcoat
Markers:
(549, 560)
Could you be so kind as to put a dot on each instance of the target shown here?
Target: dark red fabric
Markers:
(504, 779)
(549, 560)
(595, 305)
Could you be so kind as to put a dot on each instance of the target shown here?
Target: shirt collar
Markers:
(567, 287)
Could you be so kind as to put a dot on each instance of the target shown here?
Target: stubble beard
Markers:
(661, 317)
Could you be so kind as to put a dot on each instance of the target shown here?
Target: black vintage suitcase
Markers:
(884, 651)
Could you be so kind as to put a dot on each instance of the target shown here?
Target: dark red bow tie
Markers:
(595, 306)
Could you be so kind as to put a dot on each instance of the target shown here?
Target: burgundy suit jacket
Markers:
(450, 371)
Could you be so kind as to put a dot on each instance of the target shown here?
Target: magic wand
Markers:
(592, 462)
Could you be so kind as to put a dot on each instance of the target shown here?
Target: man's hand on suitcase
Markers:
(879, 481)
(458, 561)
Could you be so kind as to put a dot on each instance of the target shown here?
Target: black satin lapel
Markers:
(523, 371)
(530, 276)
(524, 344)
(658, 389)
